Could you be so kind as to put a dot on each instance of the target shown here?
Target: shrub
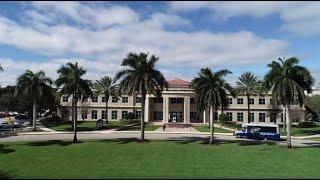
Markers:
(307, 124)
(223, 119)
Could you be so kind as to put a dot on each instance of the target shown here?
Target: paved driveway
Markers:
(188, 137)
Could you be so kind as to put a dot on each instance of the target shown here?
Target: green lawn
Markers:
(83, 126)
(137, 127)
(157, 159)
(295, 131)
(314, 138)
(205, 128)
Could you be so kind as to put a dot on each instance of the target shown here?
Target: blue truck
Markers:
(259, 131)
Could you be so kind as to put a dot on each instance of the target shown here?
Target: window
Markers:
(271, 101)
(124, 99)
(251, 101)
(137, 114)
(138, 99)
(65, 99)
(262, 100)
(240, 117)
(114, 114)
(104, 99)
(84, 114)
(240, 101)
(273, 117)
(157, 100)
(176, 100)
(215, 116)
(124, 114)
(229, 116)
(94, 114)
(114, 99)
(230, 100)
(262, 117)
(103, 114)
(157, 115)
(191, 100)
(251, 118)
(94, 99)
(193, 116)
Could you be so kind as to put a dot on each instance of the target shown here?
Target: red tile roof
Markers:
(178, 83)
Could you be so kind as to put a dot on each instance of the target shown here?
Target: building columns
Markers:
(186, 110)
(165, 111)
(204, 116)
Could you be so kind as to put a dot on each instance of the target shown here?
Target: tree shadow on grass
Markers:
(217, 141)
(51, 142)
(5, 150)
(122, 140)
(4, 175)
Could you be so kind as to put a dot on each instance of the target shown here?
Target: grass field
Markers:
(205, 128)
(84, 126)
(295, 131)
(126, 158)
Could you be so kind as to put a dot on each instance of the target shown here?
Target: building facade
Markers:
(178, 105)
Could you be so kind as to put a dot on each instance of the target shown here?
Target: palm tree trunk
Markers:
(248, 97)
(74, 104)
(143, 101)
(34, 115)
(211, 126)
(288, 126)
(284, 119)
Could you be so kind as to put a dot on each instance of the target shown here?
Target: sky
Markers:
(186, 36)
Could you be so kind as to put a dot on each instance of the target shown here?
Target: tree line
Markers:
(286, 79)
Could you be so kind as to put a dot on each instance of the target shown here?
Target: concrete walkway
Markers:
(176, 129)
(105, 135)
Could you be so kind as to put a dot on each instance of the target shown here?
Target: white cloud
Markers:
(52, 34)
(301, 18)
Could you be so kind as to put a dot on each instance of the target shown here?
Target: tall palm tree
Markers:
(34, 85)
(249, 85)
(288, 81)
(70, 78)
(141, 76)
(106, 87)
(211, 89)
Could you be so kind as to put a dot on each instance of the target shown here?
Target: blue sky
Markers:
(240, 36)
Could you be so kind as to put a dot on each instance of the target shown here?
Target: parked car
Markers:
(259, 131)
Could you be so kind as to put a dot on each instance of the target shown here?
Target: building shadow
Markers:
(5, 150)
(50, 143)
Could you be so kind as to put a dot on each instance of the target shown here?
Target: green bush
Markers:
(222, 119)
(307, 124)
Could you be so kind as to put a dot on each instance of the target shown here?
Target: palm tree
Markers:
(141, 76)
(211, 90)
(106, 87)
(70, 78)
(248, 85)
(288, 81)
(34, 85)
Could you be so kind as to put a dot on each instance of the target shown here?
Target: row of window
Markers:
(95, 99)
(262, 101)
(262, 117)
(251, 101)
(114, 114)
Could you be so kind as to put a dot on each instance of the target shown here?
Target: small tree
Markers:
(130, 117)
(223, 118)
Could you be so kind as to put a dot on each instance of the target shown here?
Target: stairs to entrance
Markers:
(178, 125)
